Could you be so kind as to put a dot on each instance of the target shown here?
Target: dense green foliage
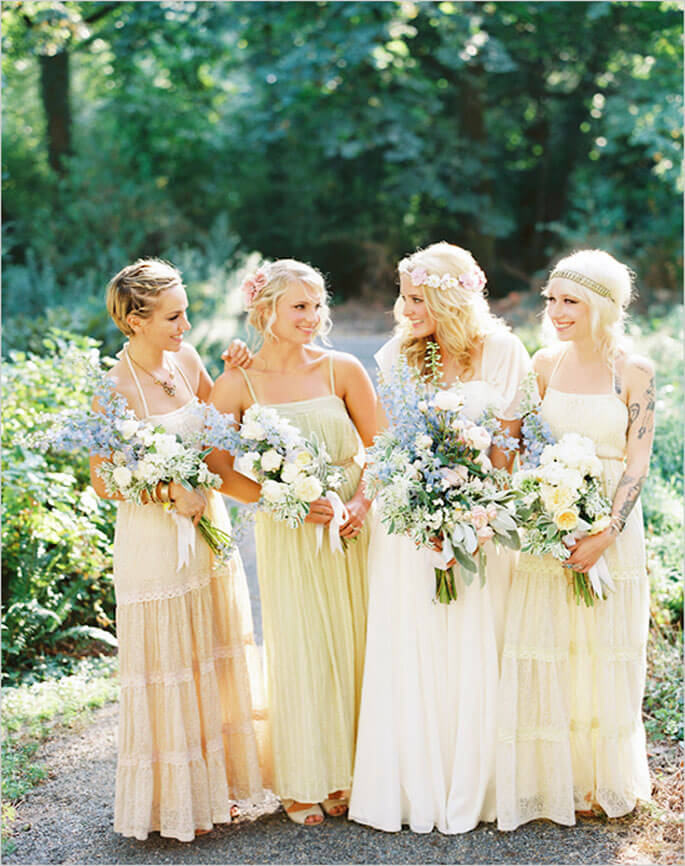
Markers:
(57, 535)
(341, 133)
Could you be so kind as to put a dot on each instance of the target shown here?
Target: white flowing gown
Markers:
(427, 728)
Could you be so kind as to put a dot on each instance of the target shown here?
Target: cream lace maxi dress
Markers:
(427, 726)
(570, 726)
(314, 620)
(188, 715)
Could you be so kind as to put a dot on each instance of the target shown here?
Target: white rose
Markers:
(483, 461)
(166, 445)
(433, 281)
(422, 406)
(303, 459)
(271, 460)
(118, 458)
(129, 427)
(290, 473)
(148, 470)
(308, 488)
(252, 429)
(146, 435)
(273, 491)
(448, 401)
(122, 476)
(423, 442)
(478, 437)
(600, 524)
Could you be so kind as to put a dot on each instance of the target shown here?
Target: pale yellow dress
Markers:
(314, 621)
(190, 712)
(570, 725)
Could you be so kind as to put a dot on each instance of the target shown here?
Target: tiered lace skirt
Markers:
(570, 730)
(191, 719)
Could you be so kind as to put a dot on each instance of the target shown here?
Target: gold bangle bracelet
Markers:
(164, 494)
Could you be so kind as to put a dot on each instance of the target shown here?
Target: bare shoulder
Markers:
(345, 360)
(545, 359)
(231, 387)
(123, 384)
(638, 371)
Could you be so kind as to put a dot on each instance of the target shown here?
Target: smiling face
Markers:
(569, 315)
(165, 327)
(298, 313)
(414, 308)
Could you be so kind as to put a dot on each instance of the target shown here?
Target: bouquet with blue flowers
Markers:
(139, 455)
(432, 480)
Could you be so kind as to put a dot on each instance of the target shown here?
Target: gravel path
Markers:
(68, 818)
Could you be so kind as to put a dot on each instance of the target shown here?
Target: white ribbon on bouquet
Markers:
(340, 515)
(440, 558)
(185, 538)
(598, 574)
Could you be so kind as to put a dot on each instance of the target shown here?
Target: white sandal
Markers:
(299, 816)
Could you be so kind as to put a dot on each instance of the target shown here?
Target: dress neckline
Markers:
(297, 402)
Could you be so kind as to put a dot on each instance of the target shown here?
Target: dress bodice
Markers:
(601, 417)
(185, 420)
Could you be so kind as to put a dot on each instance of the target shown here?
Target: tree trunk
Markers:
(54, 91)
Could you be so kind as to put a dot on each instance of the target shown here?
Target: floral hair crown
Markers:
(252, 285)
(473, 281)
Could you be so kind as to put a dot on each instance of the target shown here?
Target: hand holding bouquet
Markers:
(138, 456)
(293, 470)
(431, 477)
(561, 500)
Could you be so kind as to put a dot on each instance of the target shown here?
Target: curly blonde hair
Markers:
(135, 289)
(461, 314)
(607, 314)
(280, 275)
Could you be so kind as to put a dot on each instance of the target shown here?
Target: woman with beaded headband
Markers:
(571, 737)
(188, 725)
(313, 603)
(426, 742)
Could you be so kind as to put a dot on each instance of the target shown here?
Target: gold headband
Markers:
(582, 280)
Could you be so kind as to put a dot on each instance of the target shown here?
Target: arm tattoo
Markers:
(633, 412)
(648, 421)
(628, 491)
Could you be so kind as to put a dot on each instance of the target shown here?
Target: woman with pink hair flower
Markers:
(313, 598)
(426, 741)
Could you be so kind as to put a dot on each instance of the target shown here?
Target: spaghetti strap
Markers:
(249, 384)
(146, 411)
(562, 354)
(183, 376)
(330, 371)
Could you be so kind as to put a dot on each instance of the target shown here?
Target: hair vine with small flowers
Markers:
(472, 281)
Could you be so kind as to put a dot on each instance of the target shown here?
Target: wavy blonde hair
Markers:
(462, 316)
(135, 289)
(607, 315)
(281, 275)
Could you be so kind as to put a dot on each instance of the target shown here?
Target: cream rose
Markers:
(477, 437)
(303, 459)
(600, 524)
(290, 473)
(448, 401)
(273, 491)
(129, 428)
(271, 460)
(122, 476)
(308, 488)
(566, 519)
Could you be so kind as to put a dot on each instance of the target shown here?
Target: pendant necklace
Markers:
(169, 387)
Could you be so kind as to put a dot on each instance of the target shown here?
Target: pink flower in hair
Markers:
(419, 276)
(252, 286)
(474, 281)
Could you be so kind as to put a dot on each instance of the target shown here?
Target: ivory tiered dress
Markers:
(314, 620)
(427, 728)
(570, 727)
(189, 714)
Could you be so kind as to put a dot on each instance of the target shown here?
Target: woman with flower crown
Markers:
(189, 724)
(426, 741)
(313, 600)
(570, 736)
